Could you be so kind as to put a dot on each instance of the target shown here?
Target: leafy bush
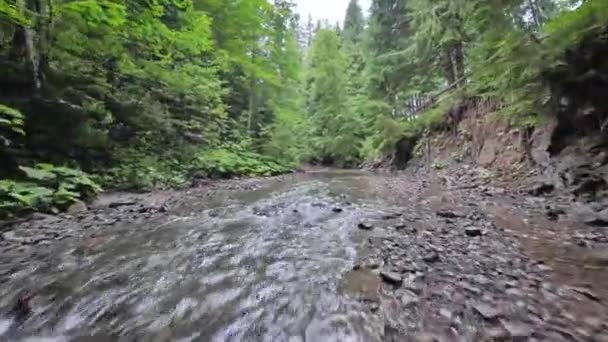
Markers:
(439, 165)
(146, 172)
(45, 187)
(11, 123)
(142, 170)
(223, 163)
(18, 196)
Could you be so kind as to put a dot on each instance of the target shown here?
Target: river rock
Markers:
(365, 226)
(409, 299)
(424, 337)
(431, 258)
(445, 313)
(473, 231)
(392, 278)
(517, 330)
(466, 286)
(447, 213)
(541, 188)
(124, 203)
(488, 312)
(77, 207)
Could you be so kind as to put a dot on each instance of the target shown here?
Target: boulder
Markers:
(77, 207)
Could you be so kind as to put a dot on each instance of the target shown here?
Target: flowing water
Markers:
(249, 265)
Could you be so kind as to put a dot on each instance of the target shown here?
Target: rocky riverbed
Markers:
(424, 255)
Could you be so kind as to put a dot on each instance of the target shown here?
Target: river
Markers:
(263, 265)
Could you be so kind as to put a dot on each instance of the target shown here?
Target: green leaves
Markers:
(12, 13)
(11, 119)
(38, 174)
(224, 163)
(45, 187)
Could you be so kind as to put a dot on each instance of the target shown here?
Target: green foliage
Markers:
(336, 129)
(45, 187)
(12, 13)
(11, 123)
(146, 172)
(224, 163)
(147, 94)
(19, 196)
(133, 90)
(439, 165)
(354, 22)
(62, 179)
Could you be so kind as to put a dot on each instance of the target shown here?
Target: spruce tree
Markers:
(354, 22)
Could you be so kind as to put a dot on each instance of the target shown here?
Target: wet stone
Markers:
(424, 337)
(447, 213)
(487, 311)
(391, 278)
(365, 226)
(77, 207)
(409, 298)
(466, 286)
(445, 313)
(473, 231)
(517, 330)
(481, 279)
(415, 288)
(431, 258)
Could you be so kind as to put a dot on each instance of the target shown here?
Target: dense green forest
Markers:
(155, 93)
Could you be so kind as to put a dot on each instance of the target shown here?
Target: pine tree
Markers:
(334, 125)
(388, 32)
(354, 22)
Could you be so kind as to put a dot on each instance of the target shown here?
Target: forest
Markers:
(147, 94)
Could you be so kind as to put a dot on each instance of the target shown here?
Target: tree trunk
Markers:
(535, 12)
(30, 44)
(252, 100)
(447, 65)
(32, 56)
(458, 61)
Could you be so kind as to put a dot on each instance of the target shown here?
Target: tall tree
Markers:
(389, 31)
(354, 22)
(335, 129)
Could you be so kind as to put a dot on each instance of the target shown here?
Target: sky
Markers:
(332, 10)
